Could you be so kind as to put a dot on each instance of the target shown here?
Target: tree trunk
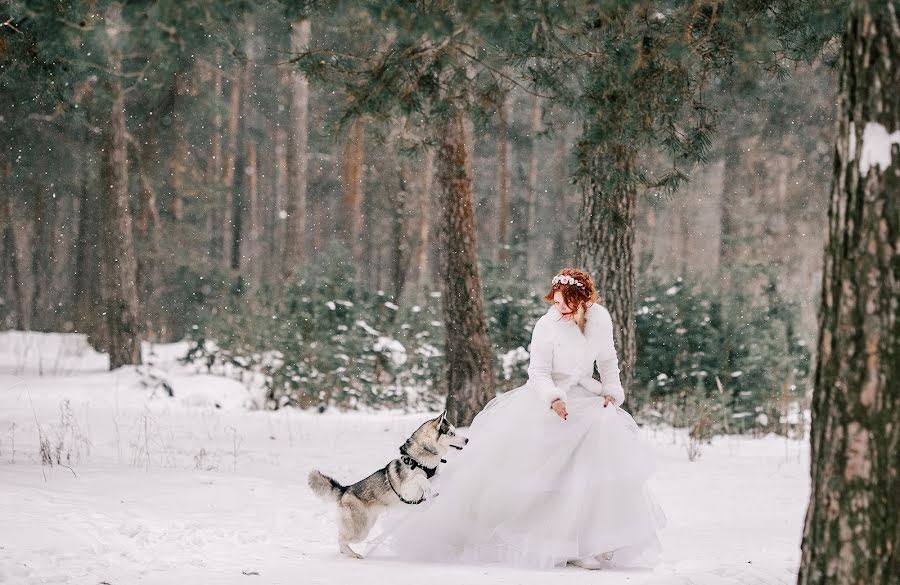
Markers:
(468, 362)
(422, 265)
(214, 165)
(730, 200)
(250, 248)
(45, 233)
(531, 190)
(503, 184)
(149, 275)
(605, 246)
(231, 156)
(296, 229)
(13, 256)
(399, 209)
(354, 150)
(121, 296)
(852, 530)
(178, 162)
(90, 272)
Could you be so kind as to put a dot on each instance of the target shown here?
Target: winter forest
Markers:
(241, 240)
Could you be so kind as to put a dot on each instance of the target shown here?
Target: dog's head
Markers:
(446, 433)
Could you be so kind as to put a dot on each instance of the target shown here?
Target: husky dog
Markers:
(401, 481)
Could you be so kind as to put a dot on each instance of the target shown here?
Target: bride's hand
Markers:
(559, 407)
(607, 400)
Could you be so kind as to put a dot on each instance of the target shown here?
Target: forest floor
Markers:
(198, 488)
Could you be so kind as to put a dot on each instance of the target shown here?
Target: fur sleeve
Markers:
(541, 364)
(607, 360)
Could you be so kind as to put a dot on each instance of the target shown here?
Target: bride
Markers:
(554, 471)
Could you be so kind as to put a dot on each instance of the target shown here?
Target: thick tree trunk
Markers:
(354, 152)
(852, 531)
(468, 361)
(503, 184)
(121, 296)
(296, 229)
(605, 246)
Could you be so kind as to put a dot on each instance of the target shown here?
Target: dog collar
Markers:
(411, 461)
(393, 489)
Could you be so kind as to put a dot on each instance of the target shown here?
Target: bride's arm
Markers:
(540, 364)
(607, 362)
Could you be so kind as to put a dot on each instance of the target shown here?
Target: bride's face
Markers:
(560, 302)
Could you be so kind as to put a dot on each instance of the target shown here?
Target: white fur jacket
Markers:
(563, 357)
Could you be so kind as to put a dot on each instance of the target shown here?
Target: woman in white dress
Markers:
(554, 471)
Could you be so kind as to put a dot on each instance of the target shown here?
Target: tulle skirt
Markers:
(533, 490)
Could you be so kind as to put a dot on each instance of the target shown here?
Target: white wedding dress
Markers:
(531, 489)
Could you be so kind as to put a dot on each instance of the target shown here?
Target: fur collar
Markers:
(592, 327)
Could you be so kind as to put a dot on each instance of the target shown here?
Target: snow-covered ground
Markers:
(197, 488)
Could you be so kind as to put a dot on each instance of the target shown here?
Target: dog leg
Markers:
(346, 550)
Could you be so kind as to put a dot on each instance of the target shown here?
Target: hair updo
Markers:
(577, 297)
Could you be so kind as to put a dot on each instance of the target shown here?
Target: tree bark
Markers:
(296, 229)
(605, 246)
(45, 233)
(852, 529)
(354, 152)
(468, 359)
(121, 296)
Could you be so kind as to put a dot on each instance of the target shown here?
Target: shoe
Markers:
(590, 563)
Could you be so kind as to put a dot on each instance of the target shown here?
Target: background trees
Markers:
(226, 236)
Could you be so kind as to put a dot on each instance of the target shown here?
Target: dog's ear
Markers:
(440, 419)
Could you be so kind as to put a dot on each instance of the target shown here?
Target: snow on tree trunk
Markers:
(852, 530)
(467, 347)
(296, 228)
(605, 245)
(120, 293)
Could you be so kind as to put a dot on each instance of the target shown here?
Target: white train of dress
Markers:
(534, 490)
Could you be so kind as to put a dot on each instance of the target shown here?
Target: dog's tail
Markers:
(325, 487)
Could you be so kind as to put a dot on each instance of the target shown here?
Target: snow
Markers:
(197, 488)
(876, 147)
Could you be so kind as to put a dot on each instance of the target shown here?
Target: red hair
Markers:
(574, 295)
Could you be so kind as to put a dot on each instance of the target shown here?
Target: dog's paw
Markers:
(346, 550)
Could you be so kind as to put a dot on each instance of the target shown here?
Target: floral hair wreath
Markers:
(566, 279)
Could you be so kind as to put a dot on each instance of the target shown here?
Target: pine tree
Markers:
(852, 531)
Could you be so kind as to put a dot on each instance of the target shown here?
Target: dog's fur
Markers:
(360, 504)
